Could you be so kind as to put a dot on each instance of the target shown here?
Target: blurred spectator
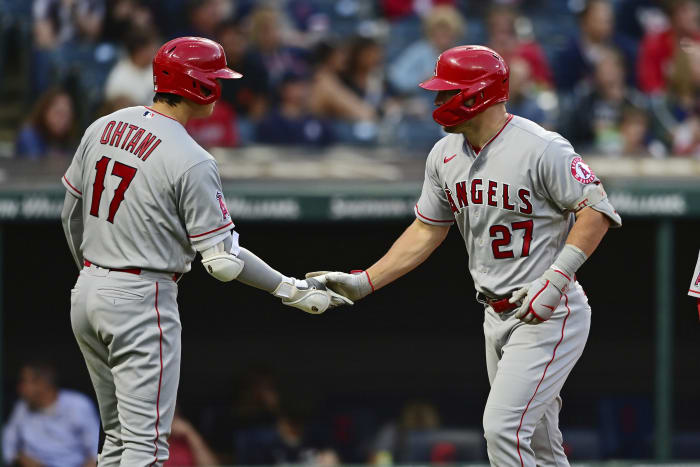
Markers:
(132, 76)
(579, 57)
(285, 442)
(523, 97)
(391, 440)
(266, 37)
(50, 129)
(124, 16)
(217, 130)
(187, 447)
(50, 426)
(634, 18)
(442, 28)
(678, 113)
(364, 73)
(57, 22)
(330, 97)
(112, 105)
(658, 48)
(205, 16)
(634, 129)
(291, 122)
(248, 95)
(510, 43)
(59, 26)
(397, 9)
(598, 106)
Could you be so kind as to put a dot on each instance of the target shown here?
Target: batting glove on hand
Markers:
(541, 297)
(353, 286)
(311, 296)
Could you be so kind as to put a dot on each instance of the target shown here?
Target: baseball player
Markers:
(531, 212)
(142, 199)
(694, 290)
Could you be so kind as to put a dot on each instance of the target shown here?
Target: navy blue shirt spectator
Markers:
(278, 58)
(291, 122)
(577, 60)
(249, 94)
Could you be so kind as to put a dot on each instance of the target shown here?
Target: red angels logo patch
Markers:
(222, 205)
(581, 171)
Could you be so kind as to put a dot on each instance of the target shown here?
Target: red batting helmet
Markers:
(189, 67)
(478, 72)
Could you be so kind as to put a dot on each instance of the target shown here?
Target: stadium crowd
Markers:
(616, 77)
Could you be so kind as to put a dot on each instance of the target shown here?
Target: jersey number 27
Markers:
(123, 171)
(502, 237)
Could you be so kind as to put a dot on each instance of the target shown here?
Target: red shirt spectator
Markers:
(657, 49)
(504, 40)
(396, 9)
(217, 130)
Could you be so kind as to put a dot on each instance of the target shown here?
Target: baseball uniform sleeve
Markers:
(568, 182)
(694, 290)
(432, 206)
(201, 205)
(73, 178)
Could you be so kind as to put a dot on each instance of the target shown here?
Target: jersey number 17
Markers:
(123, 171)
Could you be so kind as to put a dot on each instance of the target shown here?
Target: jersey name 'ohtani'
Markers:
(150, 194)
(514, 200)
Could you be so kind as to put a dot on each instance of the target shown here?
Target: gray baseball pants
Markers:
(128, 329)
(527, 367)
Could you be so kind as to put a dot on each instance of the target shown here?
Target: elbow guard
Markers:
(224, 266)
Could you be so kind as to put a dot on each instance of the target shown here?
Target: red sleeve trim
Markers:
(431, 220)
(211, 231)
(71, 186)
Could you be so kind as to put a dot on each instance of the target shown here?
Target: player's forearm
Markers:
(413, 247)
(257, 273)
(589, 229)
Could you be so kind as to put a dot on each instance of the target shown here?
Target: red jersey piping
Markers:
(478, 150)
(166, 116)
(211, 231)
(429, 219)
(71, 185)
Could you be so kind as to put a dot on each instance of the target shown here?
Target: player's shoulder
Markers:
(531, 133)
(451, 143)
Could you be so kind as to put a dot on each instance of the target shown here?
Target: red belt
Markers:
(136, 271)
(499, 305)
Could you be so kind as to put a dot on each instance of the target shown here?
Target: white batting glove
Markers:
(354, 286)
(311, 295)
(539, 299)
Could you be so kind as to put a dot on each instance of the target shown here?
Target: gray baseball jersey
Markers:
(149, 191)
(513, 200)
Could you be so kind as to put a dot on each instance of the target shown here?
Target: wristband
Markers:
(569, 260)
